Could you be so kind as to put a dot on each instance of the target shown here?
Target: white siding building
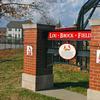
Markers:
(14, 29)
(14, 32)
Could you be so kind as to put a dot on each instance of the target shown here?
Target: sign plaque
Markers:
(67, 51)
(29, 50)
(70, 35)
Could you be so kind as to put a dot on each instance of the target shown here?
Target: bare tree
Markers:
(17, 10)
(47, 20)
(13, 8)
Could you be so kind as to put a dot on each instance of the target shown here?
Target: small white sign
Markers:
(29, 50)
(98, 57)
(67, 51)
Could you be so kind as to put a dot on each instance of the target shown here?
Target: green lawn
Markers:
(10, 79)
(66, 77)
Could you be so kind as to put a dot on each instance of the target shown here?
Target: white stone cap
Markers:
(27, 26)
(94, 22)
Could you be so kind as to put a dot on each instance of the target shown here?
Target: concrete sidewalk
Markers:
(63, 94)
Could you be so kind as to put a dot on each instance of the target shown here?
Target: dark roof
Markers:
(17, 24)
(2, 29)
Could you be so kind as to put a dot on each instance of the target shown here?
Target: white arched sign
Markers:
(67, 51)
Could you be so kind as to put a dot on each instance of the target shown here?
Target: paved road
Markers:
(63, 94)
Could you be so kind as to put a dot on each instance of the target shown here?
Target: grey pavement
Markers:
(63, 94)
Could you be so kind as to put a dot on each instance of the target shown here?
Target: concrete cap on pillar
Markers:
(27, 26)
(94, 22)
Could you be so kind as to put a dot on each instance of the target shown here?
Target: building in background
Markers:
(15, 31)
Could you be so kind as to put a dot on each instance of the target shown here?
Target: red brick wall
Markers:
(94, 67)
(30, 38)
(38, 39)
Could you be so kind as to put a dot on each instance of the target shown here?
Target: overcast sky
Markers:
(64, 10)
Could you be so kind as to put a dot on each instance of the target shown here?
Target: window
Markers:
(18, 35)
(9, 35)
(15, 29)
(15, 36)
(10, 29)
(19, 30)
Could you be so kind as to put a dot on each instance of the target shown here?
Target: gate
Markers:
(83, 51)
(82, 57)
(41, 44)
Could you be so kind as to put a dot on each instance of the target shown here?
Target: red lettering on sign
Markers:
(70, 35)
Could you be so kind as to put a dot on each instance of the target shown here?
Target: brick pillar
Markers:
(93, 92)
(36, 73)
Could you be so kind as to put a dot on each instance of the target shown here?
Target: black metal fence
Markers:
(84, 54)
(7, 42)
(10, 48)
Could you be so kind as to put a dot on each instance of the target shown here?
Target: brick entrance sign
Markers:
(94, 81)
(36, 74)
